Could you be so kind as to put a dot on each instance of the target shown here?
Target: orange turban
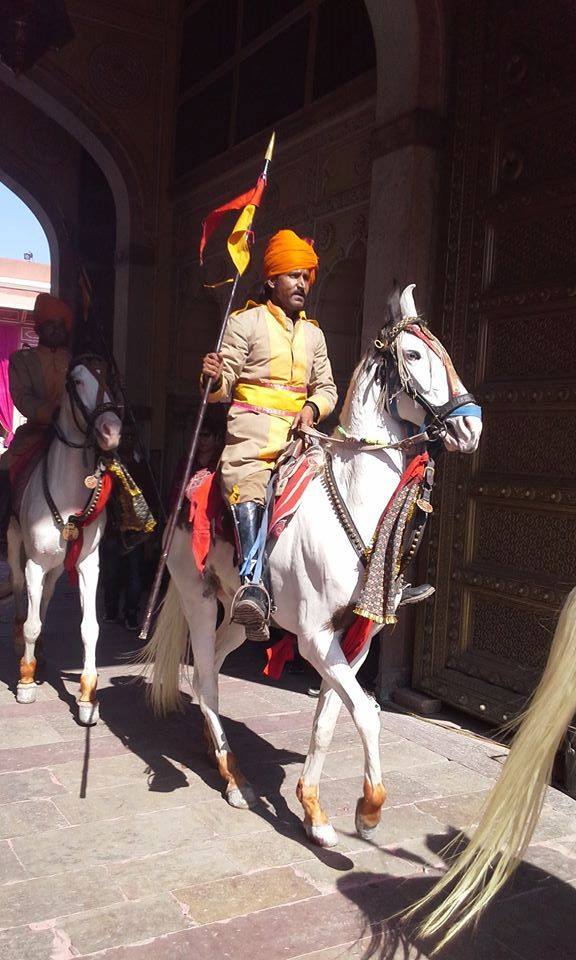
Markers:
(47, 307)
(287, 251)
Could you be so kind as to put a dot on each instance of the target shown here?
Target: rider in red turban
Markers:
(52, 310)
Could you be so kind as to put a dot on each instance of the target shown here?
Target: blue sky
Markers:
(20, 231)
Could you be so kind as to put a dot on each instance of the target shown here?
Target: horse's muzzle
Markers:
(108, 432)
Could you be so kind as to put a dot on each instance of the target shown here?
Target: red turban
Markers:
(47, 307)
(287, 251)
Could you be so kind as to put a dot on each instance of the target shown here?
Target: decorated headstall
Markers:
(107, 386)
(395, 377)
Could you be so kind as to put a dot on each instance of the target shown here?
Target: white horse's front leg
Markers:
(26, 689)
(325, 654)
(16, 564)
(88, 570)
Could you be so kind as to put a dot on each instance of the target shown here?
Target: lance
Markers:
(207, 389)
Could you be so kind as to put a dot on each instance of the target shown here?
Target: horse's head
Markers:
(418, 381)
(95, 404)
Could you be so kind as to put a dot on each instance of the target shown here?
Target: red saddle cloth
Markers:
(22, 466)
(206, 514)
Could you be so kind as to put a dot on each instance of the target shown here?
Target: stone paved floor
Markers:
(116, 842)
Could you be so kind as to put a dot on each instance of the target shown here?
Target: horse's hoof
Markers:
(88, 712)
(243, 798)
(322, 834)
(364, 830)
(26, 693)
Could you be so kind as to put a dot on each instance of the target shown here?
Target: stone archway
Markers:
(68, 111)
(54, 241)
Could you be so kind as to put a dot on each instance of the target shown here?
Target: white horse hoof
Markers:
(88, 712)
(322, 834)
(243, 798)
(26, 693)
(362, 829)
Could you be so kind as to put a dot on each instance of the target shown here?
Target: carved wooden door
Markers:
(502, 549)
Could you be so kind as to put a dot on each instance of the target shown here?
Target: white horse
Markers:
(88, 423)
(315, 572)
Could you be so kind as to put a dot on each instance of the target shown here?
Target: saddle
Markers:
(207, 513)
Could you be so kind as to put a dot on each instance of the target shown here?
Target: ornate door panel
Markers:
(502, 548)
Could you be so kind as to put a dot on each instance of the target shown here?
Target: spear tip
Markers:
(271, 145)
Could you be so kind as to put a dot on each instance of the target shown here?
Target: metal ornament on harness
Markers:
(70, 532)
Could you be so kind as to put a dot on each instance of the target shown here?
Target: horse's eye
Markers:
(413, 355)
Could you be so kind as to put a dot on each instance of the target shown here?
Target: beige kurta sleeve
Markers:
(322, 389)
(24, 395)
(234, 352)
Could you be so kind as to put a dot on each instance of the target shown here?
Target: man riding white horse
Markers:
(274, 367)
(37, 377)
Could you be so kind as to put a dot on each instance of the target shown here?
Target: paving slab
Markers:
(35, 901)
(122, 846)
(244, 894)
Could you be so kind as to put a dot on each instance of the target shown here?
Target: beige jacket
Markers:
(272, 365)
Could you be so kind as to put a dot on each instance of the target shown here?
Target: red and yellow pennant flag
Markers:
(238, 239)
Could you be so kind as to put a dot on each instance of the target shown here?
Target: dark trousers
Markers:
(120, 572)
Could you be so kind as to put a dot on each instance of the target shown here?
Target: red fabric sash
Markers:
(74, 547)
(206, 514)
(286, 504)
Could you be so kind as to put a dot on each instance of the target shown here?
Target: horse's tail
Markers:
(514, 805)
(164, 653)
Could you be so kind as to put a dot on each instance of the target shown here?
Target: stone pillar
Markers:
(402, 242)
(403, 206)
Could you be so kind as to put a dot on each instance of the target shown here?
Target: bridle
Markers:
(87, 426)
(461, 404)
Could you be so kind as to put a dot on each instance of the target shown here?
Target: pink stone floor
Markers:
(115, 842)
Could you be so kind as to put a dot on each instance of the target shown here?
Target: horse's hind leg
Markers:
(200, 613)
(26, 688)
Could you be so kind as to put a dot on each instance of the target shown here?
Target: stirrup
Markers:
(251, 607)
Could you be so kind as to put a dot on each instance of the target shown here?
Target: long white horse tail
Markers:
(164, 654)
(514, 804)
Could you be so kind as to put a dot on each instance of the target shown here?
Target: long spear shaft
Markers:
(209, 383)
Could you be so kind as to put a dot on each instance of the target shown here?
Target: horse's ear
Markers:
(407, 305)
(394, 309)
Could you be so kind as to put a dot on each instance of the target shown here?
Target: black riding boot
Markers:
(251, 605)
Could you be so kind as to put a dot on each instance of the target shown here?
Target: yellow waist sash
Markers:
(266, 397)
